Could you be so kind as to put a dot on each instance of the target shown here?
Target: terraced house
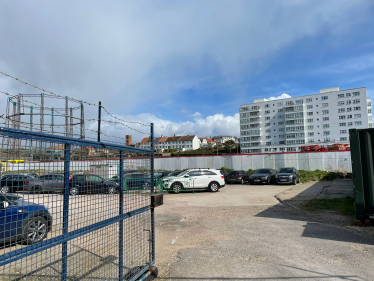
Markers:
(182, 143)
(287, 124)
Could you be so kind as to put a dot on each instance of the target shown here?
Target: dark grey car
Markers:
(287, 175)
(46, 183)
(263, 176)
(238, 176)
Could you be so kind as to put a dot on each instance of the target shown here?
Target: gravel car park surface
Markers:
(244, 233)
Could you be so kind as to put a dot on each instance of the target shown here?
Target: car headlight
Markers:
(265, 178)
(291, 176)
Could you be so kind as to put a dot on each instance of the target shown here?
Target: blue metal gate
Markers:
(61, 220)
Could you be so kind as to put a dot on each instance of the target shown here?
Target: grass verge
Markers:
(344, 206)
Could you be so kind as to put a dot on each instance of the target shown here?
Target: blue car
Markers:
(22, 221)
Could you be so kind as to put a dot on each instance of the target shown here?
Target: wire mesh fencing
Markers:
(74, 209)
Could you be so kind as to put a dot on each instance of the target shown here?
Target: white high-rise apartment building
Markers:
(287, 124)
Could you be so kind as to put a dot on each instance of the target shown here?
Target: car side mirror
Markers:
(4, 205)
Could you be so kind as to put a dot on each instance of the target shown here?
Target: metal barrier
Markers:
(362, 149)
(60, 221)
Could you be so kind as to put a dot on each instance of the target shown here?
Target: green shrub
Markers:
(226, 169)
(250, 171)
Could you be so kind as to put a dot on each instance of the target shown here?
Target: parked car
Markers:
(288, 175)
(238, 176)
(225, 174)
(263, 176)
(46, 183)
(195, 179)
(92, 184)
(161, 174)
(135, 181)
(14, 182)
(23, 221)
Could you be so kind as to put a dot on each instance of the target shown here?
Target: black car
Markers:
(263, 176)
(135, 181)
(225, 174)
(162, 174)
(91, 184)
(288, 175)
(14, 182)
(238, 176)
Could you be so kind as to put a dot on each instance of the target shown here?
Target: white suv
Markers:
(195, 179)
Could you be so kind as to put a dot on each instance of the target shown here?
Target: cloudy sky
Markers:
(187, 66)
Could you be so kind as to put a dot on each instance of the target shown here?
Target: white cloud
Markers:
(282, 96)
(196, 115)
(356, 64)
(216, 124)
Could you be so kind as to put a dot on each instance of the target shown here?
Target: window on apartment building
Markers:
(349, 109)
(299, 101)
(310, 134)
(308, 100)
(356, 101)
(370, 118)
(280, 116)
(348, 94)
(289, 103)
(267, 124)
(280, 123)
(281, 129)
(369, 102)
(342, 131)
(358, 123)
(348, 102)
(340, 103)
(282, 148)
(355, 94)
(267, 130)
(325, 105)
(291, 142)
(343, 138)
(342, 117)
(342, 124)
(350, 123)
(326, 133)
(326, 125)
(309, 113)
(309, 106)
(310, 127)
(327, 140)
(281, 136)
(267, 118)
(325, 118)
(280, 103)
(369, 110)
(324, 98)
(300, 141)
(357, 115)
(311, 140)
(349, 116)
(268, 143)
(309, 120)
(340, 96)
(280, 110)
(267, 111)
(341, 110)
(325, 112)
(370, 125)
(357, 108)
(268, 137)
(267, 105)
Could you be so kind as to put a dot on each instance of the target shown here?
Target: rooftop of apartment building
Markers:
(322, 91)
(170, 139)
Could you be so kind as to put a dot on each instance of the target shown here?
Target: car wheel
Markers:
(213, 186)
(177, 187)
(74, 191)
(4, 189)
(112, 190)
(36, 189)
(298, 181)
(294, 181)
(242, 181)
(146, 186)
(35, 230)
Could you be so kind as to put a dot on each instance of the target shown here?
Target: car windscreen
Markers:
(233, 173)
(158, 174)
(262, 171)
(183, 173)
(173, 174)
(286, 170)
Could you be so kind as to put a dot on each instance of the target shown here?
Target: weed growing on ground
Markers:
(344, 205)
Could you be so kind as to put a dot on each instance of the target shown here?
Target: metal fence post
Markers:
(99, 123)
(65, 211)
(121, 213)
(153, 256)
